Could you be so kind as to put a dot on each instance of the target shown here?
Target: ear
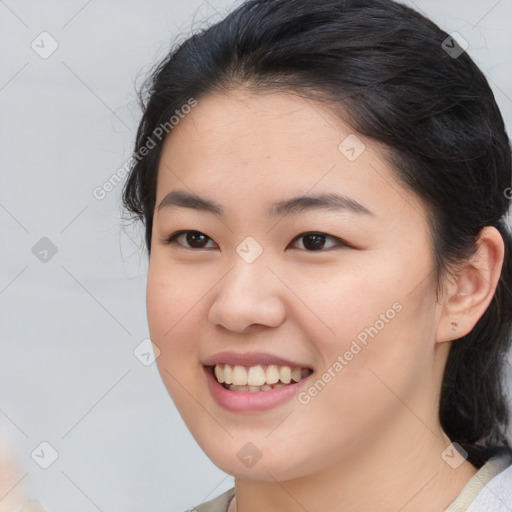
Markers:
(468, 294)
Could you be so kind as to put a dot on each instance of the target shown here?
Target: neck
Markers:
(397, 472)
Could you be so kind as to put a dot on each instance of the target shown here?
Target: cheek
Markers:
(174, 312)
(173, 315)
(336, 307)
(365, 328)
(173, 295)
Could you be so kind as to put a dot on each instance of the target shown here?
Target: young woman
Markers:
(324, 186)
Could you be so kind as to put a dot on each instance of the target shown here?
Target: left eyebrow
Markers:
(327, 201)
(330, 201)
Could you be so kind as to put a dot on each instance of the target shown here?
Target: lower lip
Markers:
(240, 401)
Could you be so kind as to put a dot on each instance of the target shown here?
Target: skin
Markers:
(371, 439)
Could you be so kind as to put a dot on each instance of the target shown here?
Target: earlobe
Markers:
(469, 295)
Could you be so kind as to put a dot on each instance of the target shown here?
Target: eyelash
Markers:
(172, 239)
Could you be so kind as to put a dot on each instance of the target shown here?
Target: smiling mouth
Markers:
(258, 378)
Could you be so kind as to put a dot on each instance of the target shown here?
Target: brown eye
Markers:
(317, 241)
(311, 242)
(196, 239)
(314, 242)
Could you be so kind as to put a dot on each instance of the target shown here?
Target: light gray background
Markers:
(69, 326)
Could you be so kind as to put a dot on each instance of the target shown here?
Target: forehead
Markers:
(252, 146)
(258, 126)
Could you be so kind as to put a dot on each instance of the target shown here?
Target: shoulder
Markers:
(496, 495)
(218, 504)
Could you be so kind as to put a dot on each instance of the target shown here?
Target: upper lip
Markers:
(250, 359)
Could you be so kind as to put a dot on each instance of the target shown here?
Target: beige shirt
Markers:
(470, 491)
(476, 485)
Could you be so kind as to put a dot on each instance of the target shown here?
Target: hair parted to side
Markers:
(382, 68)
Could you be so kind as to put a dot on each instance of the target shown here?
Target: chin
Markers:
(271, 467)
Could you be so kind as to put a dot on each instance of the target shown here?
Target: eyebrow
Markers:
(326, 201)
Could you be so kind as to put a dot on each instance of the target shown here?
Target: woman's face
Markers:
(353, 301)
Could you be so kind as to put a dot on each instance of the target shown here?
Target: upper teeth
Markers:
(258, 375)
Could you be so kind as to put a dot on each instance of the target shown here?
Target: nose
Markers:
(248, 296)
